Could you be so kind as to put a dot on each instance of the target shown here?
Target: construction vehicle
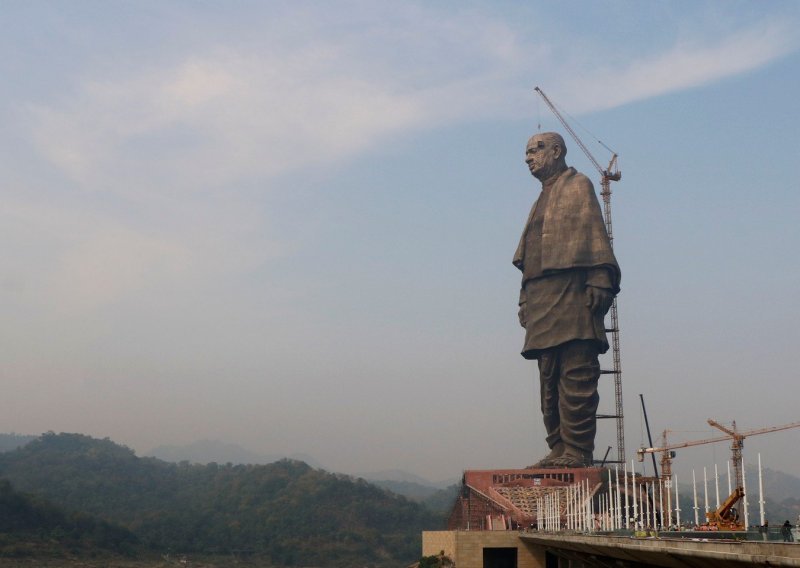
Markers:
(726, 516)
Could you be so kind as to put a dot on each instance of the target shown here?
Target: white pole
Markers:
(586, 504)
(601, 505)
(653, 508)
(547, 512)
(716, 484)
(661, 503)
(635, 499)
(760, 494)
(575, 507)
(555, 512)
(589, 509)
(694, 490)
(667, 484)
(677, 503)
(568, 505)
(583, 507)
(647, 502)
(744, 486)
(626, 511)
(705, 490)
(609, 498)
(614, 508)
(730, 490)
(618, 517)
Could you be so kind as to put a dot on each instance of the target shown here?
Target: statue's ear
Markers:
(558, 151)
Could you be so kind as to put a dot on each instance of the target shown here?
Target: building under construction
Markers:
(503, 499)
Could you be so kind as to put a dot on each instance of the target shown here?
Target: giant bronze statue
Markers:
(569, 279)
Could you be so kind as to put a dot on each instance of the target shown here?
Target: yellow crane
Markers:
(723, 518)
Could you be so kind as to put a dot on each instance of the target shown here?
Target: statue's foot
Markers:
(547, 461)
(572, 458)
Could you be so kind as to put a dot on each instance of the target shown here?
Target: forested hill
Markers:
(287, 511)
(32, 526)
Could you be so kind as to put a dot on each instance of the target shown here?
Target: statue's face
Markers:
(541, 156)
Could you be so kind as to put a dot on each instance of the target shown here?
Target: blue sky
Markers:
(290, 224)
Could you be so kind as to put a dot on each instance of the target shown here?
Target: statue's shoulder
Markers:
(575, 180)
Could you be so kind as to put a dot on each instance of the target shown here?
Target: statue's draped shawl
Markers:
(573, 232)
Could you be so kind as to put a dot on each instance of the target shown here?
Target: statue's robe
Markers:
(563, 249)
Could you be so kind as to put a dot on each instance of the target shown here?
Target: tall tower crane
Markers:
(721, 517)
(607, 175)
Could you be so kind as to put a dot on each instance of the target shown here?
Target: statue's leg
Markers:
(548, 390)
(578, 400)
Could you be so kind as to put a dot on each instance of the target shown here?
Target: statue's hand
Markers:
(598, 300)
(521, 314)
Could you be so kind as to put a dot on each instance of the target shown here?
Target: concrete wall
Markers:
(465, 548)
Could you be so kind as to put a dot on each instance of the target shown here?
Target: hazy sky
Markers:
(290, 225)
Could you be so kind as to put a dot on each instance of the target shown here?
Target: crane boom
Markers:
(755, 432)
(683, 445)
(575, 137)
(731, 434)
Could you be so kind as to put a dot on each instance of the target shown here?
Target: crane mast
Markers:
(607, 175)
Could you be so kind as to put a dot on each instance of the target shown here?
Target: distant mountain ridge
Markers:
(12, 441)
(216, 451)
(403, 476)
(777, 484)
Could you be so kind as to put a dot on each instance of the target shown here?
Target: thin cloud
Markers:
(687, 65)
(215, 120)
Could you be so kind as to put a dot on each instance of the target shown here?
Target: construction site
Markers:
(611, 513)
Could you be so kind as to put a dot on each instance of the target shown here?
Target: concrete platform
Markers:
(600, 550)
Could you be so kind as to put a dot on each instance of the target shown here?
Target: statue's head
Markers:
(546, 155)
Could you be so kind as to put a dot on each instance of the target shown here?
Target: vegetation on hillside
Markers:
(33, 526)
(286, 511)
